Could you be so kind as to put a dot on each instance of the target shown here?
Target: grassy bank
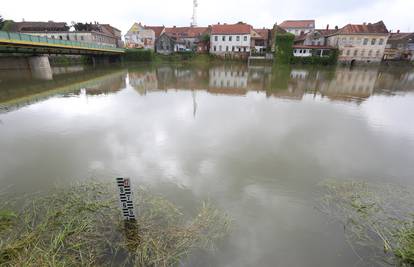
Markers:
(81, 226)
(376, 217)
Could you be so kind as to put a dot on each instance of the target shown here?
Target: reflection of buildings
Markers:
(232, 77)
(143, 81)
(348, 84)
(342, 84)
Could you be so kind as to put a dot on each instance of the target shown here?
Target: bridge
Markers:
(31, 52)
(13, 42)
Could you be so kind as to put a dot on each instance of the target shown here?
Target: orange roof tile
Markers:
(373, 28)
(238, 28)
(298, 24)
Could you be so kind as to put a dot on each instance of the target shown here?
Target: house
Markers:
(190, 35)
(115, 32)
(140, 36)
(313, 43)
(101, 34)
(298, 27)
(400, 46)
(272, 38)
(39, 26)
(360, 42)
(166, 44)
(260, 40)
(232, 40)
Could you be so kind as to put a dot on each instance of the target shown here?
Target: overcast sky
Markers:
(397, 14)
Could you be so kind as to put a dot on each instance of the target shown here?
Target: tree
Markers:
(82, 27)
(1, 22)
(284, 48)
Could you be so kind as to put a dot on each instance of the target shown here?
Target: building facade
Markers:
(313, 43)
(191, 36)
(400, 46)
(298, 27)
(231, 40)
(167, 45)
(139, 36)
(360, 42)
(102, 34)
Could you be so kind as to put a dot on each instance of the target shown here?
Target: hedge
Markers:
(138, 55)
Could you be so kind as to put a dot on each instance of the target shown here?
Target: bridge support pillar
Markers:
(40, 67)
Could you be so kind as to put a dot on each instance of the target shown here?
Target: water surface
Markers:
(256, 141)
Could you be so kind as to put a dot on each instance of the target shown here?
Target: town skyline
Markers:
(396, 15)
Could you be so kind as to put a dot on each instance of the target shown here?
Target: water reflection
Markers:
(342, 84)
(223, 132)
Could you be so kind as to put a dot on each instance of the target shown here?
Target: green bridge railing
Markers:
(15, 37)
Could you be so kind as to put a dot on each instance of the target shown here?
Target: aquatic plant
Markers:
(376, 217)
(82, 226)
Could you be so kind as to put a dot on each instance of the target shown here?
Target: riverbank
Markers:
(82, 226)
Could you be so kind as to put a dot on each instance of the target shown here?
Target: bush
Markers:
(138, 55)
(284, 48)
(316, 60)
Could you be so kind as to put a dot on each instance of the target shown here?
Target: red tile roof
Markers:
(298, 24)
(264, 33)
(238, 28)
(189, 32)
(157, 29)
(371, 28)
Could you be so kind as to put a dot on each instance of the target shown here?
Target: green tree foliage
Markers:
(1, 22)
(85, 27)
(317, 60)
(284, 48)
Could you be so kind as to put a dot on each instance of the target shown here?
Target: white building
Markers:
(298, 27)
(230, 40)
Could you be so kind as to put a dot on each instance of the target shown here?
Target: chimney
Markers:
(398, 31)
(174, 26)
(336, 27)
(364, 23)
(327, 26)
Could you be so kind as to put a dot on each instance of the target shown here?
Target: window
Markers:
(238, 38)
(227, 48)
(370, 53)
(216, 38)
(365, 41)
(355, 52)
(373, 41)
(230, 38)
(351, 40)
(60, 37)
(245, 47)
(381, 41)
(377, 54)
(223, 38)
(343, 40)
(215, 48)
(245, 38)
(294, 51)
(53, 37)
(220, 48)
(363, 53)
(81, 38)
(67, 37)
(232, 49)
(348, 52)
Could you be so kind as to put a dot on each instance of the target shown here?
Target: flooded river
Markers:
(257, 141)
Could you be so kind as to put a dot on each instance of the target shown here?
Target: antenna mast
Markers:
(194, 18)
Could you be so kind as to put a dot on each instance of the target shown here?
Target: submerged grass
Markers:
(82, 226)
(375, 217)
